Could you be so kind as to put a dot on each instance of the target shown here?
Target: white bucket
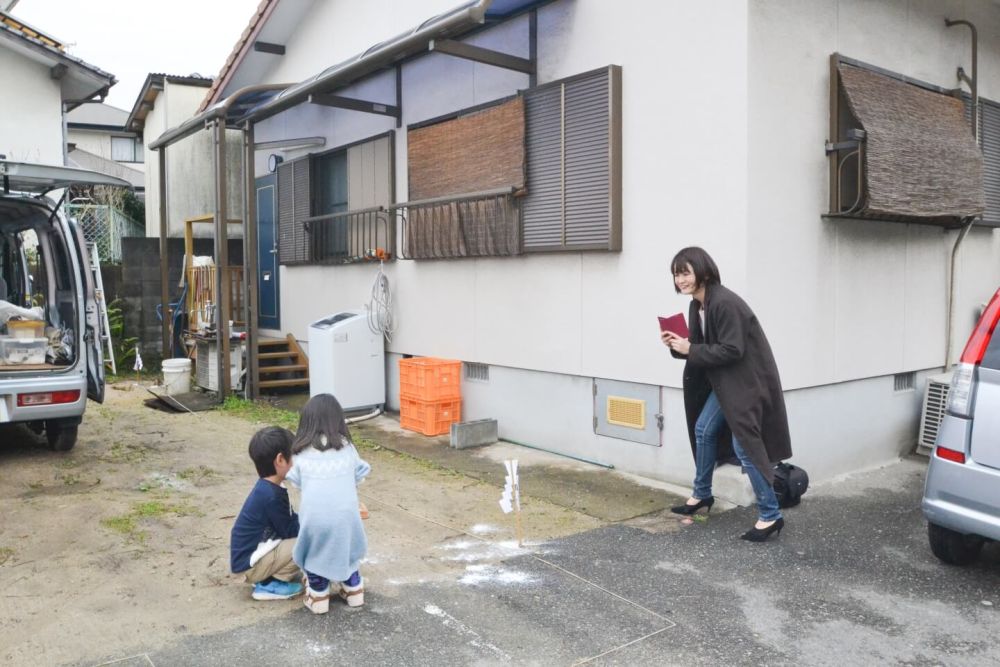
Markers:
(176, 376)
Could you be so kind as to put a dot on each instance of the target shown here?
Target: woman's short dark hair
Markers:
(266, 444)
(702, 266)
(322, 425)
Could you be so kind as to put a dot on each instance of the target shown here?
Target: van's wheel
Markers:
(61, 437)
(952, 547)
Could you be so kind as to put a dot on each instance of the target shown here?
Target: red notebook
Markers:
(675, 324)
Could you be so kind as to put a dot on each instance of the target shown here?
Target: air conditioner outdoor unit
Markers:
(935, 403)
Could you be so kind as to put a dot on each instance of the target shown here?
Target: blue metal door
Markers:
(268, 311)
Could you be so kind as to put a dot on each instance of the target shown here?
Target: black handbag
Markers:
(790, 482)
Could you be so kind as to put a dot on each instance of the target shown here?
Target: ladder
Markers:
(102, 306)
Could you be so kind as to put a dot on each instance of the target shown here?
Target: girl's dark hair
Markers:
(702, 266)
(321, 425)
(266, 444)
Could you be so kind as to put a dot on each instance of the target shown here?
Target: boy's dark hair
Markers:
(702, 266)
(322, 425)
(266, 444)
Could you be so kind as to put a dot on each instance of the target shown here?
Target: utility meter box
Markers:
(347, 359)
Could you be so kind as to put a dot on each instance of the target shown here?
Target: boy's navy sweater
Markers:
(266, 515)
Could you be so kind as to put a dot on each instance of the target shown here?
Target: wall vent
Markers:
(629, 412)
(477, 372)
(904, 382)
(935, 404)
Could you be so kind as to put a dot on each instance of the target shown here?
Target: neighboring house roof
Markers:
(136, 120)
(267, 24)
(97, 116)
(85, 160)
(79, 81)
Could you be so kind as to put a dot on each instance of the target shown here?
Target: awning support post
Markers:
(223, 310)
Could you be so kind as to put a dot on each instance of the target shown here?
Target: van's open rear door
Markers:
(92, 318)
(42, 178)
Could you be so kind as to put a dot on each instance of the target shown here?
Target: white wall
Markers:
(190, 166)
(98, 142)
(594, 312)
(854, 299)
(31, 128)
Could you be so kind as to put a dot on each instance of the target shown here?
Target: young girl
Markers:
(326, 466)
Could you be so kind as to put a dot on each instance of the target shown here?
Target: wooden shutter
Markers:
(573, 136)
(989, 134)
(294, 206)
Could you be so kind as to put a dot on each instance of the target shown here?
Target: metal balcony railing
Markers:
(478, 224)
(350, 236)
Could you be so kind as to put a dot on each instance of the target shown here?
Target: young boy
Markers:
(264, 534)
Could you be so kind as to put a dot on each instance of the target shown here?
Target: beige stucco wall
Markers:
(190, 166)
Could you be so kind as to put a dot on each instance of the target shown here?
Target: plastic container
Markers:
(16, 351)
(429, 417)
(26, 328)
(176, 376)
(430, 379)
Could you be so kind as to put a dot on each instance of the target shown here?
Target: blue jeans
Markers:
(706, 430)
(318, 583)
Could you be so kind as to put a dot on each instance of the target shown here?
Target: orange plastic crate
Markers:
(430, 378)
(429, 417)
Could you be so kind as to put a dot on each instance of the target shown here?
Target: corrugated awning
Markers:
(454, 23)
(255, 103)
(921, 160)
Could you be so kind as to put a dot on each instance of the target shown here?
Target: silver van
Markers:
(50, 337)
(962, 493)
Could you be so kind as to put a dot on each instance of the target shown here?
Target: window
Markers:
(989, 139)
(331, 206)
(573, 140)
(463, 173)
(329, 236)
(900, 150)
(126, 149)
(540, 172)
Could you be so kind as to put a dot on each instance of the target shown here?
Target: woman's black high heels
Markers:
(688, 510)
(761, 534)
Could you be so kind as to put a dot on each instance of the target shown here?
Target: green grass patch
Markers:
(128, 524)
(123, 452)
(69, 479)
(367, 444)
(6, 553)
(197, 474)
(260, 412)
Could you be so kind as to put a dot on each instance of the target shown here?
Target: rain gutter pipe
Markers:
(549, 451)
(974, 90)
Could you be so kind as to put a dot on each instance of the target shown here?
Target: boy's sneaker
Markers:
(276, 590)
(318, 602)
(353, 595)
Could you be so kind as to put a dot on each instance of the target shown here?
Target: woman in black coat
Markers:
(731, 384)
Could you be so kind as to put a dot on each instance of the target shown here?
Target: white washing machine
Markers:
(347, 359)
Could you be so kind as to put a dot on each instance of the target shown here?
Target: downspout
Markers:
(968, 222)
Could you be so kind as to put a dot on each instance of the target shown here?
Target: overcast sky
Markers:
(131, 38)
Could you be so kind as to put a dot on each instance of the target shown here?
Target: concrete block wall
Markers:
(140, 284)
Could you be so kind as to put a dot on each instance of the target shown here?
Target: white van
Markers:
(50, 332)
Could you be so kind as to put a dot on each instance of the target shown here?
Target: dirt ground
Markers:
(122, 543)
